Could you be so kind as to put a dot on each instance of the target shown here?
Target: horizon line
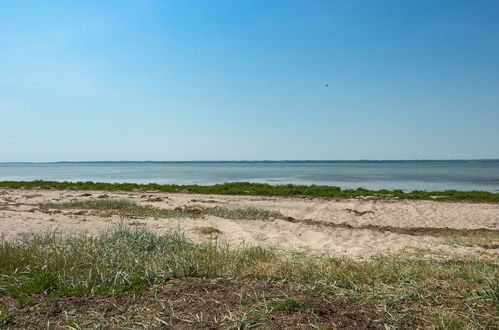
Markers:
(256, 161)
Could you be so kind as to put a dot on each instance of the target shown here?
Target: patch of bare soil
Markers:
(196, 304)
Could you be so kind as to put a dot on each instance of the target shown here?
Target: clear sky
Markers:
(234, 80)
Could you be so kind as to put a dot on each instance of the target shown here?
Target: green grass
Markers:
(245, 213)
(486, 242)
(245, 188)
(95, 204)
(289, 305)
(129, 208)
(6, 317)
(455, 292)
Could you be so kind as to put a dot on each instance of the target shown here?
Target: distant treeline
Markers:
(260, 189)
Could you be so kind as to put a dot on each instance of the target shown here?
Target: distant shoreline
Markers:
(367, 161)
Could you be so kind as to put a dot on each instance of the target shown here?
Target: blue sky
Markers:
(234, 80)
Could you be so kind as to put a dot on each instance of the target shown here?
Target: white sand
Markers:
(20, 216)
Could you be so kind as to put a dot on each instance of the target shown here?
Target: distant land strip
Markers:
(261, 189)
(292, 161)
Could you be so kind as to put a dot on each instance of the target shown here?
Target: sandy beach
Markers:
(356, 228)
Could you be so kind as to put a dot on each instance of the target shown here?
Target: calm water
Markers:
(428, 175)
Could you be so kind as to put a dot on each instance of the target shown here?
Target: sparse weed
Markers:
(486, 240)
(247, 213)
(289, 305)
(129, 208)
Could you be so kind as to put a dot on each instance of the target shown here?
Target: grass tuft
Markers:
(94, 204)
(129, 208)
(290, 305)
(249, 213)
(6, 317)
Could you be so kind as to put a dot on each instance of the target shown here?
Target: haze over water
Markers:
(405, 175)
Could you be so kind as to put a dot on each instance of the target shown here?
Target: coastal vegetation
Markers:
(128, 208)
(131, 277)
(137, 278)
(260, 189)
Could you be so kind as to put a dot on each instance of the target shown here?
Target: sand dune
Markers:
(318, 225)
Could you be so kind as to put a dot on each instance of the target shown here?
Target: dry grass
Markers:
(457, 293)
(208, 230)
(129, 208)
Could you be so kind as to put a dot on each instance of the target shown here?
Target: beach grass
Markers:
(487, 241)
(458, 292)
(259, 189)
(128, 208)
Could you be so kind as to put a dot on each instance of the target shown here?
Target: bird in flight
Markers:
(327, 85)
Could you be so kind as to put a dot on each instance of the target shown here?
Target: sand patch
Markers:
(355, 228)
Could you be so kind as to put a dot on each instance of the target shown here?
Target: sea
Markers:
(429, 175)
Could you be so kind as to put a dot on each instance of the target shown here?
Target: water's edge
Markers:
(429, 175)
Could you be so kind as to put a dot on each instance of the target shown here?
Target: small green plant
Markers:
(6, 317)
(39, 282)
(289, 305)
(489, 292)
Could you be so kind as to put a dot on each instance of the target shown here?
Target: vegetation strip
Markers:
(485, 238)
(129, 208)
(260, 189)
(131, 263)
